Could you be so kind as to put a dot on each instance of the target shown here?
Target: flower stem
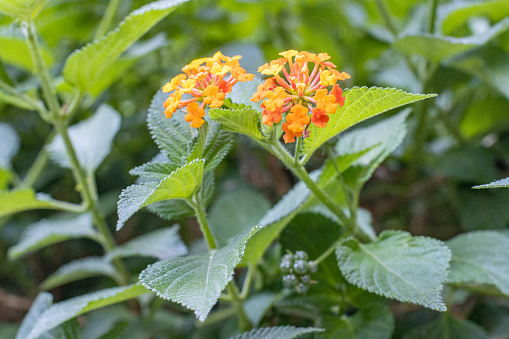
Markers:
(105, 23)
(238, 303)
(329, 251)
(60, 124)
(201, 215)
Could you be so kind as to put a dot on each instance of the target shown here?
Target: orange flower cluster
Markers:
(207, 82)
(298, 90)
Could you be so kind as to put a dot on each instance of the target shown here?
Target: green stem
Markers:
(297, 151)
(105, 23)
(217, 316)
(201, 215)
(39, 164)
(238, 303)
(40, 69)
(66, 206)
(329, 251)
(36, 106)
(386, 16)
(247, 281)
(432, 15)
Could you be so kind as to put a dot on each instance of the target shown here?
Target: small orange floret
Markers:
(172, 85)
(297, 119)
(326, 103)
(327, 78)
(213, 97)
(319, 118)
(289, 54)
(275, 99)
(195, 115)
(338, 94)
(171, 104)
(289, 136)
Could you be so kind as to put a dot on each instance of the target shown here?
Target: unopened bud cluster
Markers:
(297, 269)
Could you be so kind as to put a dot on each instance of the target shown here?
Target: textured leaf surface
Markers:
(448, 326)
(373, 322)
(437, 48)
(41, 303)
(495, 184)
(361, 103)
(378, 141)
(234, 212)
(85, 66)
(92, 139)
(196, 281)
(68, 309)
(22, 200)
(217, 145)
(171, 135)
(278, 332)
(480, 257)
(80, 269)
(50, 231)
(397, 266)
(181, 184)
(244, 120)
(21, 9)
(161, 244)
(9, 145)
(154, 170)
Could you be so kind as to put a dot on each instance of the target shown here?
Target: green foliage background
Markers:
(458, 140)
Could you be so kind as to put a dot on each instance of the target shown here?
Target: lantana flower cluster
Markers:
(299, 91)
(301, 87)
(207, 81)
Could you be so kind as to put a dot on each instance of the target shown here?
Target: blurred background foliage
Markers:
(457, 140)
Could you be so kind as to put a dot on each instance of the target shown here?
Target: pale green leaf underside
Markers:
(22, 200)
(41, 303)
(181, 184)
(438, 48)
(360, 103)
(154, 170)
(92, 139)
(68, 309)
(80, 269)
(480, 257)
(244, 120)
(21, 9)
(258, 304)
(495, 184)
(277, 332)
(50, 231)
(379, 140)
(15, 50)
(161, 244)
(196, 281)
(397, 266)
(84, 67)
(9, 145)
(372, 322)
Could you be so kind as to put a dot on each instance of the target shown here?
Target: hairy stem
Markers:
(238, 303)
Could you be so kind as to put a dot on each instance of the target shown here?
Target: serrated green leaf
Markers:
(154, 170)
(448, 326)
(92, 139)
(257, 305)
(361, 103)
(277, 332)
(50, 231)
(195, 147)
(171, 135)
(480, 257)
(68, 309)
(378, 141)
(454, 15)
(196, 281)
(244, 120)
(495, 184)
(85, 66)
(217, 145)
(160, 244)
(437, 48)
(21, 9)
(397, 266)
(9, 145)
(372, 322)
(80, 269)
(234, 212)
(23, 199)
(181, 184)
(15, 50)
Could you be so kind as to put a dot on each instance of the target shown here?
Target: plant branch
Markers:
(201, 215)
(245, 323)
(105, 23)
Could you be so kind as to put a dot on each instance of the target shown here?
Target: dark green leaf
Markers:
(448, 326)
